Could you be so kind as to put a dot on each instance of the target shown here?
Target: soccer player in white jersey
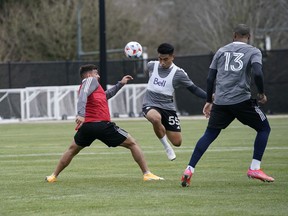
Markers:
(158, 106)
(231, 69)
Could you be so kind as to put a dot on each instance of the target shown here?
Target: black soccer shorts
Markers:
(247, 112)
(107, 132)
(169, 118)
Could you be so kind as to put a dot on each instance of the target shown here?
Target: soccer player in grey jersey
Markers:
(231, 68)
(158, 105)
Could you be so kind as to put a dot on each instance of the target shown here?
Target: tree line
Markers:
(46, 30)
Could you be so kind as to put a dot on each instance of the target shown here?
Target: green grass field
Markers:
(106, 181)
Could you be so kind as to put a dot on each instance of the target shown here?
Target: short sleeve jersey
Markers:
(233, 64)
(157, 97)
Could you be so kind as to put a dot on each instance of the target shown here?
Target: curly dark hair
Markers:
(87, 68)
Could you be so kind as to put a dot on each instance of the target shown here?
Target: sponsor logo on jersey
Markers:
(159, 82)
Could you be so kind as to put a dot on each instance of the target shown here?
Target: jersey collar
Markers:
(238, 42)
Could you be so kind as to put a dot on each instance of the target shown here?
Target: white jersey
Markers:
(162, 85)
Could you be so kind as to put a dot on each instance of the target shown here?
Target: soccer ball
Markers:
(133, 49)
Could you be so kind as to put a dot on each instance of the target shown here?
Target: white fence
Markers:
(60, 102)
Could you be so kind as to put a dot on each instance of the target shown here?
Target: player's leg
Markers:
(67, 157)
(219, 119)
(172, 125)
(154, 116)
(114, 136)
(84, 137)
(202, 145)
(64, 161)
(136, 152)
(175, 137)
(139, 158)
(250, 114)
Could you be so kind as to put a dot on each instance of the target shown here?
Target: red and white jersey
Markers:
(93, 99)
(92, 102)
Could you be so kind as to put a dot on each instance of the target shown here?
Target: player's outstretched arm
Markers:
(125, 79)
(210, 85)
(259, 81)
(197, 91)
(113, 91)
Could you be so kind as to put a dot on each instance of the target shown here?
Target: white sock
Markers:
(255, 164)
(190, 168)
(164, 142)
(147, 172)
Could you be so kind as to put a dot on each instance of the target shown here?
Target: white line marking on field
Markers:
(186, 149)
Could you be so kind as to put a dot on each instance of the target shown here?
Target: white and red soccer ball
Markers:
(133, 49)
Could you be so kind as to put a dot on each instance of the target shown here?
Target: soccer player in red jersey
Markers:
(93, 122)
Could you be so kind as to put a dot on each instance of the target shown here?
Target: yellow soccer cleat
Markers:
(151, 176)
(52, 178)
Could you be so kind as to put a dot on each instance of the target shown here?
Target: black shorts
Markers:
(247, 112)
(107, 132)
(169, 118)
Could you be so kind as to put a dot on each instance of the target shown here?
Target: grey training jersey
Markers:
(157, 97)
(233, 65)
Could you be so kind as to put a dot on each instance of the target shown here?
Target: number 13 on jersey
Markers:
(236, 64)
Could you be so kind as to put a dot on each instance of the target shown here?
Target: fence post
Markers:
(9, 75)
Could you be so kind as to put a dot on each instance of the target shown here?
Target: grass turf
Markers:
(106, 181)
